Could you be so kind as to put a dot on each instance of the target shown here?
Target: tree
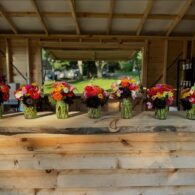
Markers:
(100, 65)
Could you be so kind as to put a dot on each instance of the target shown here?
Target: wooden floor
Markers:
(126, 163)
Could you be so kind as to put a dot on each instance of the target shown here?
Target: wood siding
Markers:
(175, 52)
(135, 163)
(156, 52)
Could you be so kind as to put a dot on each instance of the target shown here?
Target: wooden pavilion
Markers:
(146, 157)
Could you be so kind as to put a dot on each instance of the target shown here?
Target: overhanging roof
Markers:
(104, 17)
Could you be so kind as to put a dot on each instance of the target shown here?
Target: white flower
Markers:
(66, 90)
(133, 94)
(19, 94)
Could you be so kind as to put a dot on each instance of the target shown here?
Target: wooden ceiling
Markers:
(166, 18)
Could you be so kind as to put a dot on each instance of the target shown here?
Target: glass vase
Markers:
(30, 112)
(126, 108)
(162, 113)
(190, 114)
(95, 112)
(1, 111)
(62, 110)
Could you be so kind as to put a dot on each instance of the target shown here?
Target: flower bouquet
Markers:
(63, 94)
(160, 98)
(4, 95)
(188, 102)
(126, 90)
(94, 98)
(29, 95)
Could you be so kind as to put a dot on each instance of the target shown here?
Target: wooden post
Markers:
(145, 64)
(28, 75)
(185, 45)
(193, 49)
(164, 80)
(8, 62)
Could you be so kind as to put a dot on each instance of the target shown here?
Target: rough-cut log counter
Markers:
(147, 156)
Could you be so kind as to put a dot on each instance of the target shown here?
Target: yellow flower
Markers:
(159, 95)
(100, 96)
(132, 80)
(186, 94)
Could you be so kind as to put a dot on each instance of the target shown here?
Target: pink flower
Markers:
(149, 105)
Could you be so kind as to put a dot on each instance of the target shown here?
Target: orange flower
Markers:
(57, 96)
(125, 83)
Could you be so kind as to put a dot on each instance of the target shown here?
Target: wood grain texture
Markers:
(133, 163)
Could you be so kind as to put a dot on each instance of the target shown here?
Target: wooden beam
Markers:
(99, 15)
(9, 21)
(112, 5)
(8, 61)
(180, 16)
(74, 15)
(40, 16)
(76, 45)
(96, 37)
(145, 16)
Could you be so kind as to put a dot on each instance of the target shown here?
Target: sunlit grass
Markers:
(80, 85)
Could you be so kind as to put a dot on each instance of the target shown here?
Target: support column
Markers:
(164, 79)
(28, 62)
(144, 73)
(8, 62)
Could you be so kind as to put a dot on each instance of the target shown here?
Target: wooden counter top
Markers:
(79, 123)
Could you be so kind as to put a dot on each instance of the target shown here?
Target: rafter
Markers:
(145, 16)
(74, 15)
(40, 16)
(179, 17)
(9, 21)
(112, 5)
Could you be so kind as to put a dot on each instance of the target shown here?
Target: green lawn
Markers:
(102, 82)
(80, 85)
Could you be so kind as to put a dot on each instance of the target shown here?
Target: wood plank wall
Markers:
(26, 55)
(155, 68)
(120, 164)
(175, 51)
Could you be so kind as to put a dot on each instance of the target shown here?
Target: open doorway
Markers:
(82, 72)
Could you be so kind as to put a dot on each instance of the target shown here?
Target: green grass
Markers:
(102, 82)
(80, 85)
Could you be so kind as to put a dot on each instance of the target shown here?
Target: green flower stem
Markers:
(161, 113)
(126, 108)
(62, 110)
(1, 111)
(94, 112)
(30, 112)
(190, 114)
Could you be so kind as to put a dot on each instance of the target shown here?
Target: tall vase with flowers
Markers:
(126, 90)
(4, 93)
(63, 94)
(29, 95)
(188, 102)
(160, 97)
(95, 97)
